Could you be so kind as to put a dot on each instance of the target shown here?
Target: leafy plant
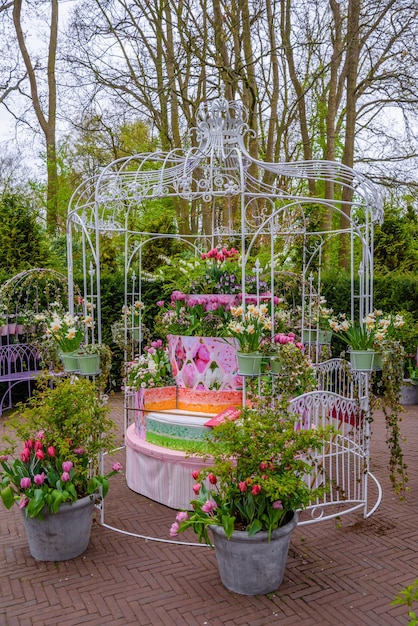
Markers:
(258, 475)
(151, 369)
(407, 597)
(64, 429)
(250, 326)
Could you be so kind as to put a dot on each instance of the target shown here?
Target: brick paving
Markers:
(344, 573)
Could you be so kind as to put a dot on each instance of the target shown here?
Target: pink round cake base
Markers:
(161, 474)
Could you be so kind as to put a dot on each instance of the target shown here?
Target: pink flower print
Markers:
(189, 374)
(200, 365)
(203, 353)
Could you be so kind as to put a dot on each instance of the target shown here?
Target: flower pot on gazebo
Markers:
(249, 363)
(88, 364)
(362, 360)
(69, 361)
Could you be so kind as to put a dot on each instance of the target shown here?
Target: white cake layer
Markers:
(180, 418)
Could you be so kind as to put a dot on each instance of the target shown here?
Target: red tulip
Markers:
(256, 490)
(212, 479)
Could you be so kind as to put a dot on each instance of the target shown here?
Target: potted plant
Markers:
(56, 478)
(249, 327)
(132, 316)
(262, 472)
(150, 379)
(360, 337)
(317, 323)
(67, 333)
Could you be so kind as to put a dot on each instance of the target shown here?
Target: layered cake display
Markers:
(166, 440)
(178, 431)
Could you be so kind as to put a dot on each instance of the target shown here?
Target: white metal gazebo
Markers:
(228, 195)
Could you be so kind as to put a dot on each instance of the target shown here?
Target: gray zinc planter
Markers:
(409, 392)
(252, 565)
(63, 535)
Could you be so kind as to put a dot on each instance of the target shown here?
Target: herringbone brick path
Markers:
(344, 574)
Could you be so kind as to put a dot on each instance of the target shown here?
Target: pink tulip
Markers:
(182, 516)
(256, 490)
(212, 479)
(209, 506)
(25, 455)
(277, 504)
(25, 482)
(174, 530)
(196, 488)
(65, 477)
(40, 454)
(39, 479)
(116, 467)
(67, 466)
(195, 475)
(242, 486)
(23, 502)
(51, 451)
